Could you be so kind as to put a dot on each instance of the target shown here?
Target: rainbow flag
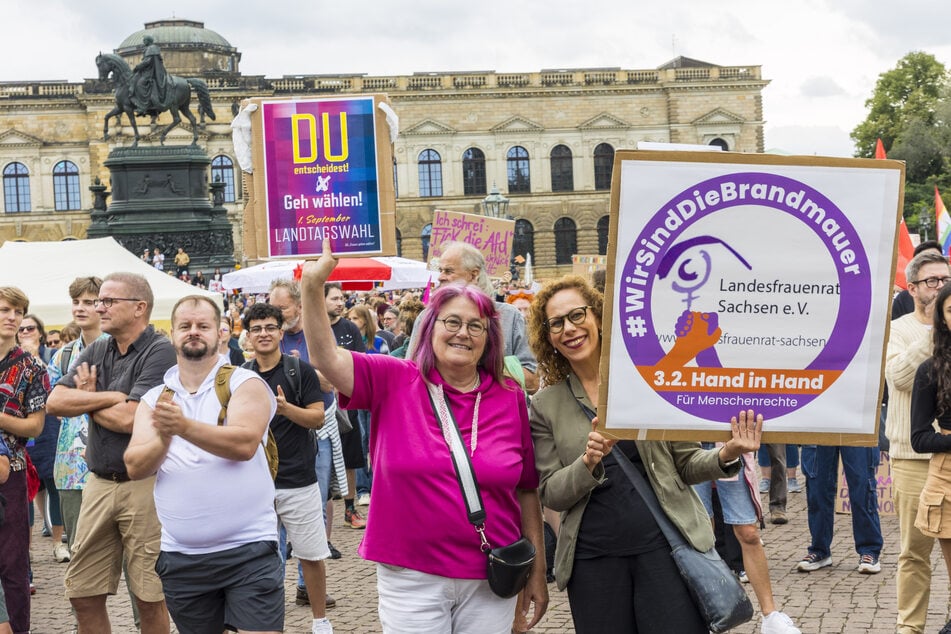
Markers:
(944, 222)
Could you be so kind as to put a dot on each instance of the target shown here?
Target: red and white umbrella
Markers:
(354, 274)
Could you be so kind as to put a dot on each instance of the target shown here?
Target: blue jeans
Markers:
(364, 475)
(820, 465)
(324, 464)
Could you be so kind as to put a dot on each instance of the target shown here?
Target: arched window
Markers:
(519, 175)
(222, 168)
(720, 143)
(566, 240)
(562, 174)
(16, 188)
(430, 173)
(473, 172)
(603, 166)
(66, 186)
(399, 243)
(524, 241)
(424, 236)
(604, 223)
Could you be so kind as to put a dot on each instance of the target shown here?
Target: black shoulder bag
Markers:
(715, 590)
(509, 566)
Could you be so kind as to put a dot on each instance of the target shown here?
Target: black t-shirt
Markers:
(616, 522)
(348, 335)
(296, 445)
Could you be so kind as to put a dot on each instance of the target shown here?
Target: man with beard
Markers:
(117, 522)
(219, 563)
(285, 295)
(909, 345)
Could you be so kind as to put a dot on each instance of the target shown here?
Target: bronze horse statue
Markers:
(179, 89)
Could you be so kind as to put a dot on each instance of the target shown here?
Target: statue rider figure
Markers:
(149, 81)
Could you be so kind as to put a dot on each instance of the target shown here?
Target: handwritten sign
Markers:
(492, 236)
(748, 282)
(320, 176)
(883, 484)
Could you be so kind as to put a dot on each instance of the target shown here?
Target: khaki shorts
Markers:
(934, 505)
(301, 513)
(116, 519)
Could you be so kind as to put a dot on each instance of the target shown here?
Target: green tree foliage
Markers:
(909, 93)
(922, 150)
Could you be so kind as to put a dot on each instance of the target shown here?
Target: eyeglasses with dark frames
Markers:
(933, 282)
(109, 301)
(575, 316)
(454, 324)
(269, 329)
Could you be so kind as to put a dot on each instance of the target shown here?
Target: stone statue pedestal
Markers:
(160, 198)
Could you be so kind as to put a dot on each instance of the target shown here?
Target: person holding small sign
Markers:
(615, 583)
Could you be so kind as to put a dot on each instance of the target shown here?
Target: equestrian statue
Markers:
(148, 90)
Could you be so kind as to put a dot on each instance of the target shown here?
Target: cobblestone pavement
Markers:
(831, 600)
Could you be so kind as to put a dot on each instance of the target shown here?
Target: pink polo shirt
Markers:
(418, 518)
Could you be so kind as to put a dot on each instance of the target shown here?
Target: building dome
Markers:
(188, 48)
(175, 31)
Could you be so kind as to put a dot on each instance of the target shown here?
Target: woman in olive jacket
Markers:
(611, 555)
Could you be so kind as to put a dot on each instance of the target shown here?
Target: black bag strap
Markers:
(644, 489)
(291, 367)
(66, 356)
(292, 372)
(465, 474)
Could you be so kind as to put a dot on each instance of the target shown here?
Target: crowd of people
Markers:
(193, 463)
(156, 259)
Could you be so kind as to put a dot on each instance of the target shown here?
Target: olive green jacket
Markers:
(560, 431)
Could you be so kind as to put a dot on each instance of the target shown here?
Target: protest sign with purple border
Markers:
(749, 282)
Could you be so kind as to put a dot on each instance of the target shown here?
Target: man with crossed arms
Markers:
(117, 521)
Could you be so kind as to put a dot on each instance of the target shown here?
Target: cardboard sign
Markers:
(586, 265)
(739, 281)
(323, 168)
(492, 236)
(883, 479)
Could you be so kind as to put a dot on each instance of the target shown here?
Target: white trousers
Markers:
(413, 602)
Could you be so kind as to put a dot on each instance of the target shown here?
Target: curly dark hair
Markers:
(941, 370)
(552, 367)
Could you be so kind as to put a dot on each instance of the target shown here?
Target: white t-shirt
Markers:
(206, 503)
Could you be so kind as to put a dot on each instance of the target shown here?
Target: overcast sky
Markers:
(821, 56)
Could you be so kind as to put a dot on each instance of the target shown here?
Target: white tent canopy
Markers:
(44, 271)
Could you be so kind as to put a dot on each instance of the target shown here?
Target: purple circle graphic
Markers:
(808, 205)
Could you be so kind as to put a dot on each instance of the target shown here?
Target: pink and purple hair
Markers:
(492, 356)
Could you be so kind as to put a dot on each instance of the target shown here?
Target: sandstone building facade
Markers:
(546, 138)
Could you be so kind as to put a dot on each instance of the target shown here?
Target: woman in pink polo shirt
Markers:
(431, 571)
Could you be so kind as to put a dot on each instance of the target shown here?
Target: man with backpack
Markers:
(300, 411)
(203, 433)
(69, 467)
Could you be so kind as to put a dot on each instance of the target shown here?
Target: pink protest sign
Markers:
(491, 236)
